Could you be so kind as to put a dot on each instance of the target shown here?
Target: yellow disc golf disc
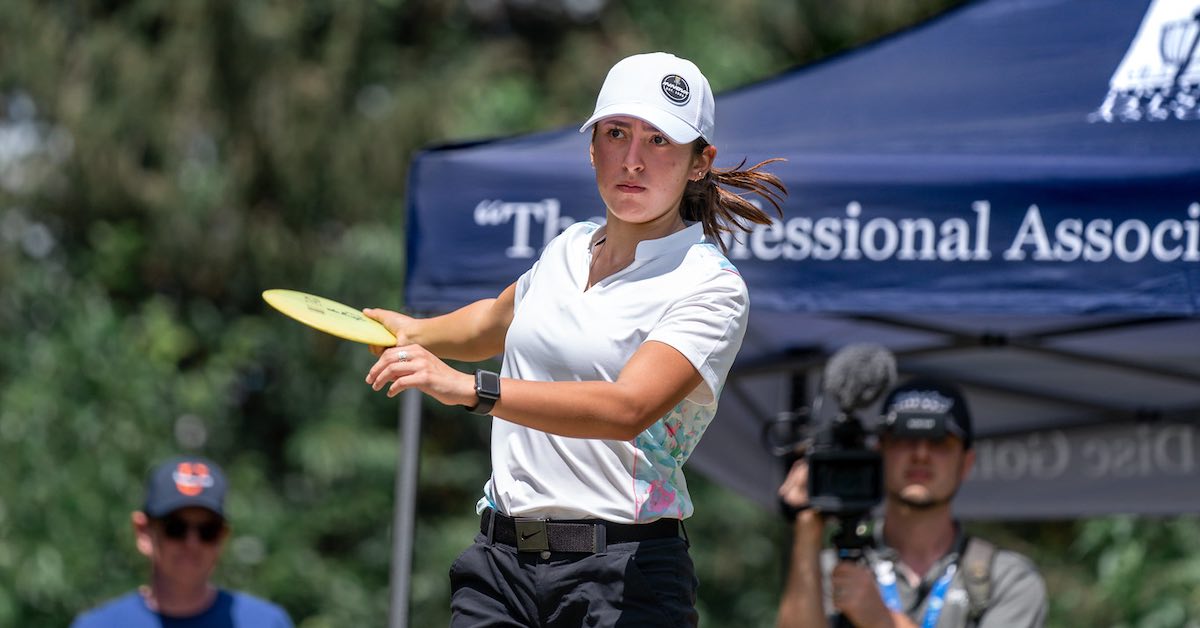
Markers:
(330, 317)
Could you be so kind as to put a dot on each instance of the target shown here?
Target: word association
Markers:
(956, 239)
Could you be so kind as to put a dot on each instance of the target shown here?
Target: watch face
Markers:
(487, 384)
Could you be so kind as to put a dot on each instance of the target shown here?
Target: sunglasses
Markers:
(176, 529)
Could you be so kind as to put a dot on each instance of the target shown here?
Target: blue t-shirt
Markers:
(231, 609)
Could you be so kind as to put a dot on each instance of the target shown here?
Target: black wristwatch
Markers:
(487, 392)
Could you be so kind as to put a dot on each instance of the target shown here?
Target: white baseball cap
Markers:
(662, 89)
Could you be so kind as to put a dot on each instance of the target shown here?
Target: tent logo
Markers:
(676, 89)
(1159, 78)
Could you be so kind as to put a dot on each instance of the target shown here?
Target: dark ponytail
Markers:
(708, 202)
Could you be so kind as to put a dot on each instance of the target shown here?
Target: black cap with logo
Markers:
(927, 408)
(182, 482)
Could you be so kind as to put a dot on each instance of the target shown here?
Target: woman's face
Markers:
(640, 172)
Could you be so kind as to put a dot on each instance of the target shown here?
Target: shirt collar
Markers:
(650, 249)
(886, 552)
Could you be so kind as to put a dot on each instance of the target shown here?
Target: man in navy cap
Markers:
(921, 570)
(182, 529)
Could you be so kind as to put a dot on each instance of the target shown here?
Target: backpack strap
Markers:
(977, 574)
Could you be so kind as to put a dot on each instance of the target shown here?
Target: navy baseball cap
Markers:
(927, 408)
(182, 482)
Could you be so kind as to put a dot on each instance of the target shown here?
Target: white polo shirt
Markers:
(680, 290)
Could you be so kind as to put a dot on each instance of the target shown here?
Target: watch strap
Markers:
(485, 399)
(483, 405)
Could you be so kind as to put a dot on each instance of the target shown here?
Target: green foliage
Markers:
(1116, 571)
(162, 163)
(739, 552)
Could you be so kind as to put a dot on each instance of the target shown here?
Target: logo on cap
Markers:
(191, 478)
(676, 89)
(916, 423)
(927, 401)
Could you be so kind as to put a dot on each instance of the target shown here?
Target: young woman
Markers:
(615, 348)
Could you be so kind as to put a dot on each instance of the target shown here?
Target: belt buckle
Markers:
(531, 535)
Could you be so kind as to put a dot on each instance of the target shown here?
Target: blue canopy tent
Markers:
(1007, 195)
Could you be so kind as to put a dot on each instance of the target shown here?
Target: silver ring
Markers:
(402, 356)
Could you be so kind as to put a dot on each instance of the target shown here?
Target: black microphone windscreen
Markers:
(858, 374)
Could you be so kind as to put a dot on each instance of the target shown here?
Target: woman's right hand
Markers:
(412, 366)
(399, 324)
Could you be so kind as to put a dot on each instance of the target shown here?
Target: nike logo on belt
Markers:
(526, 537)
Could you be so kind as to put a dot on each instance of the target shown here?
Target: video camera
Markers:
(845, 473)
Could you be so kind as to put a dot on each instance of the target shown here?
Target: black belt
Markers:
(570, 535)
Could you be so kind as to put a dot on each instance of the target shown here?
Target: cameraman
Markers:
(922, 570)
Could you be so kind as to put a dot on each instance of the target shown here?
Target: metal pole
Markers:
(403, 517)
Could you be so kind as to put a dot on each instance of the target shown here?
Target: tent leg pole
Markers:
(405, 506)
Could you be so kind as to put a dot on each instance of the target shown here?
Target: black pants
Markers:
(645, 583)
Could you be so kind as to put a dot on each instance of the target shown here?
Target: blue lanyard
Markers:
(885, 575)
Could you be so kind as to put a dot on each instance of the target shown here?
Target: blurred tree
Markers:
(161, 163)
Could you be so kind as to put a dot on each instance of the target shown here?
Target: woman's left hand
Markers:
(412, 366)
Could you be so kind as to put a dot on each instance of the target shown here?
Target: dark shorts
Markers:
(642, 583)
